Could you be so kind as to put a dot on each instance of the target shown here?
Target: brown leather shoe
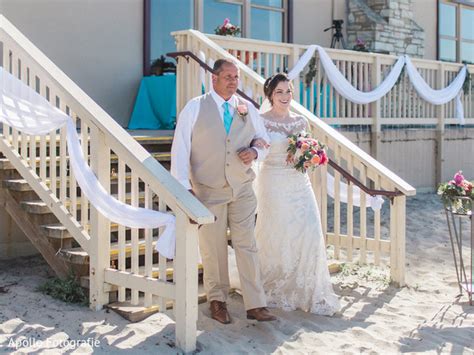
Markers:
(261, 314)
(219, 312)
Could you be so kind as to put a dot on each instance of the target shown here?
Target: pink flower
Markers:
(242, 109)
(324, 159)
(458, 178)
(226, 21)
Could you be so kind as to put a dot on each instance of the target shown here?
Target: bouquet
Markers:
(227, 29)
(305, 152)
(457, 193)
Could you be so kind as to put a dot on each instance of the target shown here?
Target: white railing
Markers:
(367, 242)
(402, 106)
(45, 167)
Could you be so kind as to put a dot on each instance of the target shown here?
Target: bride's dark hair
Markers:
(272, 82)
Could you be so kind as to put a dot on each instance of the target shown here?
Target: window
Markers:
(260, 19)
(159, 21)
(268, 20)
(215, 11)
(456, 31)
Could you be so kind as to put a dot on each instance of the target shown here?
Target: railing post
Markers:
(440, 110)
(99, 251)
(294, 57)
(376, 76)
(186, 279)
(181, 74)
(397, 240)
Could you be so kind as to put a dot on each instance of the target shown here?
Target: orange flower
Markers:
(315, 160)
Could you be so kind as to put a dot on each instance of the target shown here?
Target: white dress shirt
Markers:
(181, 148)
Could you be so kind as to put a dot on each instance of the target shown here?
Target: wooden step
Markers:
(80, 256)
(145, 139)
(5, 164)
(137, 313)
(17, 185)
(39, 207)
(142, 136)
(22, 185)
(160, 156)
(58, 231)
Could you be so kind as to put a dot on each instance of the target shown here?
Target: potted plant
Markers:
(160, 66)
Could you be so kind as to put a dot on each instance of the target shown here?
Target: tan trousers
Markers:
(238, 213)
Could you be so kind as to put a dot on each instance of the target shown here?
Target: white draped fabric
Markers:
(341, 84)
(442, 96)
(375, 202)
(345, 88)
(27, 111)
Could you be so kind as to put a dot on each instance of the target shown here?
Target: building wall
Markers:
(425, 15)
(312, 17)
(97, 43)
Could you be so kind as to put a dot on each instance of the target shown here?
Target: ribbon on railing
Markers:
(345, 88)
(374, 202)
(27, 111)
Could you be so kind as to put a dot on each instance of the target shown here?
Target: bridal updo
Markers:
(272, 82)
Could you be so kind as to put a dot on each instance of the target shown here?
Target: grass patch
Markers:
(67, 290)
(366, 272)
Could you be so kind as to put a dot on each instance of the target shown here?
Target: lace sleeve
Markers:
(300, 124)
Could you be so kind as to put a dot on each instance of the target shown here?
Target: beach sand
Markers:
(425, 316)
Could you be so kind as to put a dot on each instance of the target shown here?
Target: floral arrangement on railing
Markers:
(360, 46)
(457, 194)
(227, 29)
(305, 152)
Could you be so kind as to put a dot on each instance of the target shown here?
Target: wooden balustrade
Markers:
(48, 172)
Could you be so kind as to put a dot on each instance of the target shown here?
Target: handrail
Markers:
(116, 137)
(188, 54)
(332, 163)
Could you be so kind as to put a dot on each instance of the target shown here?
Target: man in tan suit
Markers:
(212, 149)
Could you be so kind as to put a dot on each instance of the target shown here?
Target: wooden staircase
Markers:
(51, 238)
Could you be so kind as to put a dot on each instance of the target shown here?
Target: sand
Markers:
(425, 316)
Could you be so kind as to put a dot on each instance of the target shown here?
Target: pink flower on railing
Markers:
(458, 178)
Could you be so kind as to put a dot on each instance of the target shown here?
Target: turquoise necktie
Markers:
(227, 117)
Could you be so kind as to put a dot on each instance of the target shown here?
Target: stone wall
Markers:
(386, 26)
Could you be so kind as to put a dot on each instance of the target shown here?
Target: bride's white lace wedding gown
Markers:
(292, 252)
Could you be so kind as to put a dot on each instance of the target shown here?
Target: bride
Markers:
(289, 236)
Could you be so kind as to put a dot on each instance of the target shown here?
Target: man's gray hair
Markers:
(219, 63)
